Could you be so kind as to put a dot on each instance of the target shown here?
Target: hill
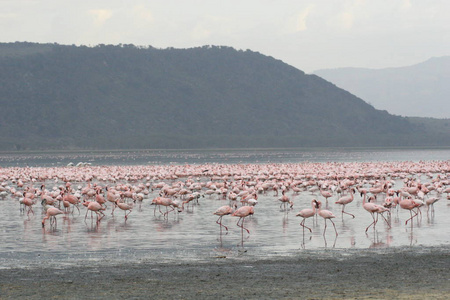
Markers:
(126, 97)
(420, 90)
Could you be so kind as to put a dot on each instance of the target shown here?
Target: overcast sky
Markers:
(309, 35)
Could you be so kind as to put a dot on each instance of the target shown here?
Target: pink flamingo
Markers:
(409, 204)
(373, 208)
(167, 202)
(243, 212)
(72, 199)
(28, 202)
(430, 202)
(125, 207)
(51, 213)
(285, 200)
(100, 198)
(326, 194)
(111, 196)
(346, 200)
(251, 199)
(326, 215)
(223, 211)
(96, 207)
(45, 197)
(307, 213)
(187, 199)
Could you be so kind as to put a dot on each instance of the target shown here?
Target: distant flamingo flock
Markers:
(105, 191)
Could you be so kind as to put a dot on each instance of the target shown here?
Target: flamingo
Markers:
(430, 202)
(251, 199)
(72, 199)
(307, 213)
(285, 200)
(373, 208)
(243, 212)
(96, 207)
(223, 211)
(381, 209)
(188, 198)
(326, 215)
(100, 198)
(125, 207)
(45, 197)
(50, 213)
(326, 194)
(346, 200)
(167, 202)
(377, 190)
(409, 204)
(28, 202)
(111, 196)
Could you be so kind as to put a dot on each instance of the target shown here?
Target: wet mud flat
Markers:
(405, 274)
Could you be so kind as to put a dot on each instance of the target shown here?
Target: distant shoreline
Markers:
(223, 149)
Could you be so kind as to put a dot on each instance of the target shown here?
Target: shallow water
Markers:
(145, 157)
(193, 234)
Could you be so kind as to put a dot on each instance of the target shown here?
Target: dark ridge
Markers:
(126, 97)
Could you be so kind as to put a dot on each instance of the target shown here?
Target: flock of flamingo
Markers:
(173, 188)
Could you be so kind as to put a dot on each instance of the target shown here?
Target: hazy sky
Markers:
(309, 35)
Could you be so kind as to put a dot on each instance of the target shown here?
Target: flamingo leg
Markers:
(373, 217)
(302, 223)
(242, 224)
(406, 223)
(43, 221)
(168, 211)
(386, 221)
(159, 207)
(344, 212)
(100, 216)
(219, 221)
(325, 229)
(334, 227)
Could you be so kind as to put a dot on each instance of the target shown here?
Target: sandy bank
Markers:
(390, 275)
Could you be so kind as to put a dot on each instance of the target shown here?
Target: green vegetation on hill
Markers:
(118, 97)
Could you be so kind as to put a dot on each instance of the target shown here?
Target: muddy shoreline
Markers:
(406, 274)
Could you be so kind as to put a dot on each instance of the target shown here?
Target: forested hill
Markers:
(126, 97)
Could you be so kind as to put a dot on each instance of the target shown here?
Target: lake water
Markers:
(193, 234)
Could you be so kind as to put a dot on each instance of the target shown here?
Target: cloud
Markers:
(143, 14)
(100, 16)
(406, 4)
(345, 20)
(211, 28)
(309, 34)
(301, 20)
